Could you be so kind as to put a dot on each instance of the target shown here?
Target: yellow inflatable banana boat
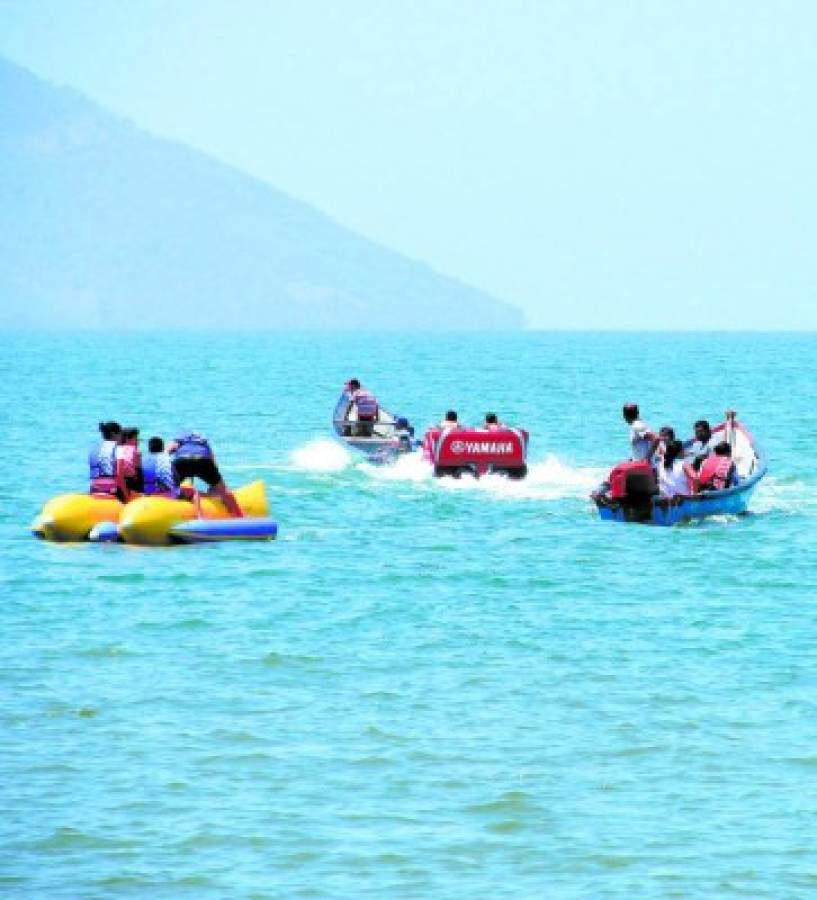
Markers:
(147, 520)
(70, 517)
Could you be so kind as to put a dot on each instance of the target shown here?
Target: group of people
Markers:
(701, 463)
(451, 422)
(118, 468)
(363, 412)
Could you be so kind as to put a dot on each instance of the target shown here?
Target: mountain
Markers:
(105, 226)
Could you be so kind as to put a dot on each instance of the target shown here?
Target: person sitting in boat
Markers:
(675, 477)
(492, 423)
(450, 422)
(666, 434)
(717, 471)
(701, 445)
(129, 462)
(192, 457)
(102, 460)
(643, 440)
(404, 433)
(157, 471)
(365, 405)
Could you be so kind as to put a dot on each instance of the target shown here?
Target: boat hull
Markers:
(731, 502)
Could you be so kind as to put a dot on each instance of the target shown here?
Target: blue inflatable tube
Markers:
(248, 529)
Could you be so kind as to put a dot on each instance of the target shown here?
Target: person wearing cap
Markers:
(643, 440)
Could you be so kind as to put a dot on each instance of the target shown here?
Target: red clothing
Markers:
(715, 473)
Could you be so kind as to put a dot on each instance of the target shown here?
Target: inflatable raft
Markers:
(155, 521)
(640, 502)
(477, 451)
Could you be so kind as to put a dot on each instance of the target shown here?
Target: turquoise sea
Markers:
(422, 689)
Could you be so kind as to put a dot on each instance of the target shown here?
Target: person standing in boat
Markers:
(192, 457)
(366, 407)
(643, 440)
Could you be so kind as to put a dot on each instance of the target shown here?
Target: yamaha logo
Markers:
(500, 448)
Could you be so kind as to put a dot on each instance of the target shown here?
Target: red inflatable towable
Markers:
(477, 451)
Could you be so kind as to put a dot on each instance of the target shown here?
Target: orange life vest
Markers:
(715, 472)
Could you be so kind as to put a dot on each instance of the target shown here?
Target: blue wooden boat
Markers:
(751, 466)
(381, 442)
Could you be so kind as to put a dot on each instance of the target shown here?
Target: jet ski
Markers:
(381, 441)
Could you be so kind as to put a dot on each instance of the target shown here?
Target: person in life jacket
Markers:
(157, 471)
(717, 471)
(129, 463)
(675, 477)
(192, 457)
(365, 405)
(102, 460)
(404, 433)
(450, 422)
(643, 440)
(492, 423)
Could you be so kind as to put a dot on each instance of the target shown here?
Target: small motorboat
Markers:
(382, 441)
(477, 451)
(635, 498)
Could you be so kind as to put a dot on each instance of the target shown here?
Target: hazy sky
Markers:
(601, 164)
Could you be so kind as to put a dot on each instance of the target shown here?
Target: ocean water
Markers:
(422, 689)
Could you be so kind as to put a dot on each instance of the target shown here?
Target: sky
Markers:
(605, 164)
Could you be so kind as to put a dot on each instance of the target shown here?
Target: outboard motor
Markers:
(632, 487)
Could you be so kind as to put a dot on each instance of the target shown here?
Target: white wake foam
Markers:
(408, 467)
(550, 479)
(786, 496)
(321, 455)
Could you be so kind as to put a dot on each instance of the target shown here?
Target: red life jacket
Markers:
(715, 472)
(366, 404)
